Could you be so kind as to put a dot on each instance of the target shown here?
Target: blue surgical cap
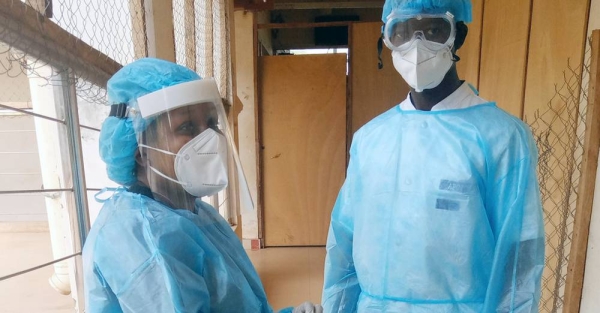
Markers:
(118, 136)
(461, 9)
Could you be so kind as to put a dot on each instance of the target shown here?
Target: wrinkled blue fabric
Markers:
(142, 256)
(440, 212)
(118, 137)
(142, 77)
(118, 146)
(461, 9)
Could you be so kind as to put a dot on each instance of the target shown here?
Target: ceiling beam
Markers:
(328, 5)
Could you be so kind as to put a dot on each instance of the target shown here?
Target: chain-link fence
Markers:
(559, 130)
(110, 33)
(202, 39)
(202, 43)
(89, 38)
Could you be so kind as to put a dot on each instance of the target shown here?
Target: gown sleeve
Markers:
(99, 298)
(341, 289)
(517, 222)
(168, 275)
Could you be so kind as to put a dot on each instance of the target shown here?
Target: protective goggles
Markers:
(400, 29)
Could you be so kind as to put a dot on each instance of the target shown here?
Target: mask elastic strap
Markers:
(157, 149)
(166, 177)
(379, 51)
(104, 190)
(455, 57)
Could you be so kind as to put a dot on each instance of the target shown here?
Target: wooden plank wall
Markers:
(557, 37)
(506, 25)
(468, 66)
(374, 90)
(526, 48)
(553, 46)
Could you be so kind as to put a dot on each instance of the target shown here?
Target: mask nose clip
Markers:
(419, 35)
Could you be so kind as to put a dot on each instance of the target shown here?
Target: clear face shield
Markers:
(434, 30)
(187, 151)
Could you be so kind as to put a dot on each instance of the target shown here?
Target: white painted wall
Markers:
(20, 169)
(591, 289)
(19, 162)
(92, 115)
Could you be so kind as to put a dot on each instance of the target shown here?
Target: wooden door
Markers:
(303, 132)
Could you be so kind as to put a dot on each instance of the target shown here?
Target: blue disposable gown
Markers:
(440, 212)
(142, 256)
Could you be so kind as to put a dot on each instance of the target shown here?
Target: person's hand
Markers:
(308, 307)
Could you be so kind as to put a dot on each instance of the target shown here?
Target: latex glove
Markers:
(308, 307)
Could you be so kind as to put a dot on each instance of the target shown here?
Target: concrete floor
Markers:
(290, 275)
(30, 292)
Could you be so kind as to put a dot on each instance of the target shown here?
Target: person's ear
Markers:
(461, 35)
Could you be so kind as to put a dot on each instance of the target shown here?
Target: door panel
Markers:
(303, 128)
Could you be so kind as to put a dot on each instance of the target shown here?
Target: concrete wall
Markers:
(19, 163)
(15, 85)
(19, 169)
(19, 155)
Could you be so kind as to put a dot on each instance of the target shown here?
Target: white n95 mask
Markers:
(200, 165)
(423, 65)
